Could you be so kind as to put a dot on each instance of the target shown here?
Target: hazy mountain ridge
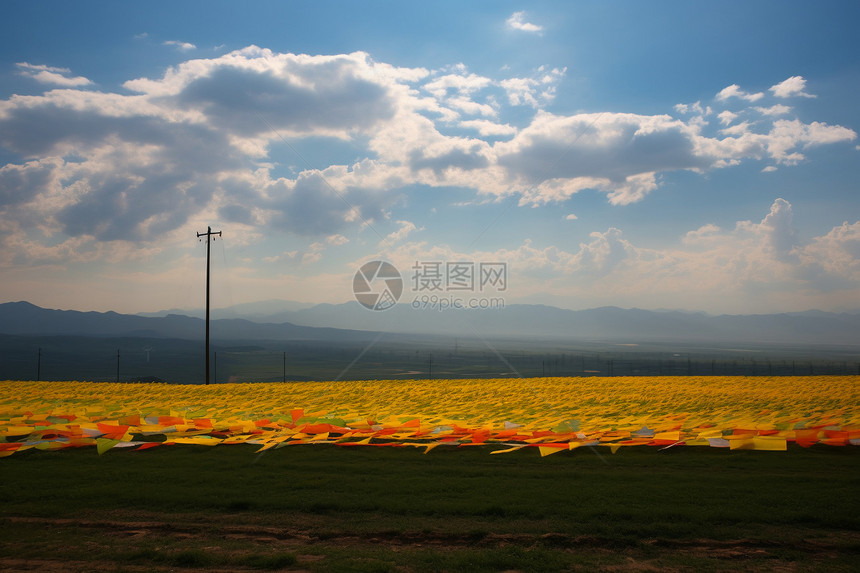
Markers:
(23, 318)
(605, 323)
(351, 321)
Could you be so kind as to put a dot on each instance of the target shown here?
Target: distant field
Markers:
(400, 357)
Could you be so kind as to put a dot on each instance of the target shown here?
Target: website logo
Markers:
(377, 285)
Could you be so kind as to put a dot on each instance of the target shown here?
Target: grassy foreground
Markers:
(327, 508)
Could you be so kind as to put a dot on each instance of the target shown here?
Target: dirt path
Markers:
(310, 546)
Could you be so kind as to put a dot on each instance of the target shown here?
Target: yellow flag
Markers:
(513, 449)
(766, 443)
(548, 451)
(104, 444)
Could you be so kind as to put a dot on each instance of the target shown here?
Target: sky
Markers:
(695, 156)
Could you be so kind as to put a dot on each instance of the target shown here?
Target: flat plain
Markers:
(325, 508)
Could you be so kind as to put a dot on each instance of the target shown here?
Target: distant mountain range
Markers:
(285, 320)
(23, 318)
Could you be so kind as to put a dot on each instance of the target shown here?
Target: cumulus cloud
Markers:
(735, 91)
(792, 87)
(252, 91)
(777, 109)
(460, 83)
(336, 240)
(51, 75)
(209, 137)
(701, 235)
(788, 135)
(455, 93)
(769, 257)
(557, 156)
(517, 21)
(533, 91)
(313, 204)
(489, 128)
(603, 254)
(726, 117)
(313, 254)
(752, 266)
(183, 46)
(695, 108)
(623, 155)
(832, 261)
(757, 265)
(136, 165)
(406, 228)
(778, 229)
(24, 183)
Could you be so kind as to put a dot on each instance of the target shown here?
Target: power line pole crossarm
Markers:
(208, 234)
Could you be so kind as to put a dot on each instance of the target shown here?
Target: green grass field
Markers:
(327, 508)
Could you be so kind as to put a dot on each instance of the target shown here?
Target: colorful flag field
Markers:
(548, 414)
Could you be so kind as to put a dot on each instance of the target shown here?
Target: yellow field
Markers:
(551, 414)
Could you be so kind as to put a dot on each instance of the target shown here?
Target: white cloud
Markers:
(777, 109)
(701, 235)
(751, 267)
(833, 260)
(779, 229)
(517, 21)
(792, 87)
(604, 254)
(726, 117)
(557, 156)
(252, 91)
(285, 256)
(313, 254)
(406, 228)
(442, 86)
(336, 240)
(739, 129)
(137, 165)
(206, 139)
(692, 108)
(51, 75)
(735, 91)
(787, 135)
(182, 46)
(487, 128)
(467, 106)
(535, 91)
(571, 217)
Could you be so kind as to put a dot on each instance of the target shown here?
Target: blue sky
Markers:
(676, 155)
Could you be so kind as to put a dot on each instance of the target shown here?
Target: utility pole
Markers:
(39, 367)
(208, 234)
(117, 365)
